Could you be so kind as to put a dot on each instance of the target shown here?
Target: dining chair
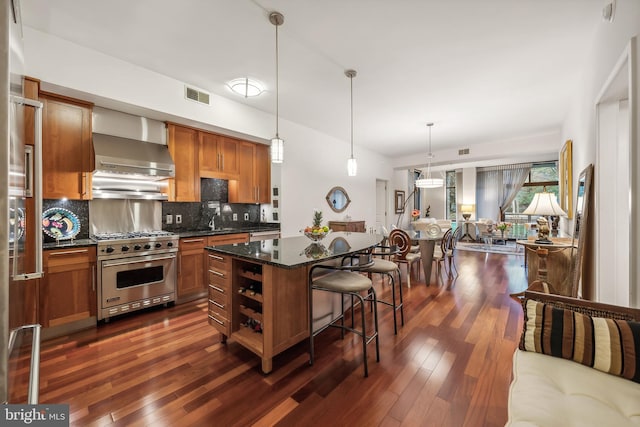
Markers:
(402, 241)
(345, 280)
(443, 254)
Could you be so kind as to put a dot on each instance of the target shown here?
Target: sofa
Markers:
(578, 364)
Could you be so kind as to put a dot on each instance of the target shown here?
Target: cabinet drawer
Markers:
(71, 256)
(220, 280)
(193, 243)
(220, 323)
(228, 239)
(219, 296)
(221, 263)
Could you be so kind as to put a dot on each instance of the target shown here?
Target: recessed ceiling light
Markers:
(246, 87)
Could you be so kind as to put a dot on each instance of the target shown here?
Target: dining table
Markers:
(427, 240)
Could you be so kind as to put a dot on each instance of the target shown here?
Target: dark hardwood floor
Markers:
(450, 365)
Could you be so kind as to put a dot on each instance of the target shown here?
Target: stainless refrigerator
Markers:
(20, 193)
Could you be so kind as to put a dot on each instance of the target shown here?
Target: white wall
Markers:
(609, 42)
(314, 162)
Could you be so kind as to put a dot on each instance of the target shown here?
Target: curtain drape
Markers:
(496, 187)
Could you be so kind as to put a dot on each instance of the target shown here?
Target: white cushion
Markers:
(550, 391)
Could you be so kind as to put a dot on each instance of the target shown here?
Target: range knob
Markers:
(125, 248)
(147, 246)
(158, 245)
(169, 244)
(109, 249)
(137, 247)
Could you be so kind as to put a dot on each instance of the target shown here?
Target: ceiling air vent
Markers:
(463, 151)
(196, 95)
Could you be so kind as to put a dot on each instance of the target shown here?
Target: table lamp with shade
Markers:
(544, 204)
(466, 210)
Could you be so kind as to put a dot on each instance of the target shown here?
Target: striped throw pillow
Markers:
(608, 345)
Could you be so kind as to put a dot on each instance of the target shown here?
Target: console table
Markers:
(551, 263)
(353, 226)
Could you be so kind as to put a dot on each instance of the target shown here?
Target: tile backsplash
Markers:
(196, 215)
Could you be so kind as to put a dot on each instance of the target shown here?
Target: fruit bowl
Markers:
(317, 235)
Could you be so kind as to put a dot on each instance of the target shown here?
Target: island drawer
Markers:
(220, 279)
(219, 298)
(220, 323)
(221, 263)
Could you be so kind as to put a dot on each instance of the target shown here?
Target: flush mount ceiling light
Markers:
(277, 144)
(427, 181)
(246, 87)
(352, 165)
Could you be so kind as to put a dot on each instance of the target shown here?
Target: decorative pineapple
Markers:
(317, 219)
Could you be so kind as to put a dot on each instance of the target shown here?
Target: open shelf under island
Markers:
(259, 291)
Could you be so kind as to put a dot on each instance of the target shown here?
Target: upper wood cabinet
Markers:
(67, 151)
(184, 147)
(218, 156)
(197, 153)
(254, 183)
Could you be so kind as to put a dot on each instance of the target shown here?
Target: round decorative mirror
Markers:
(338, 199)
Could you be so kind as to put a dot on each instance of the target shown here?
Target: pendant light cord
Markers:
(429, 154)
(277, 86)
(351, 81)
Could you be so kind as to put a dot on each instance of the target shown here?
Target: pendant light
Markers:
(427, 181)
(352, 165)
(277, 144)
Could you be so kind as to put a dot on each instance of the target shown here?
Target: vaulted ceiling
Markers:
(482, 71)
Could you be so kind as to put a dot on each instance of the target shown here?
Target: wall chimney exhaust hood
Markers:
(116, 156)
(132, 160)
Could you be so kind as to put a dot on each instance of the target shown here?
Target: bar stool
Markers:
(345, 280)
(384, 267)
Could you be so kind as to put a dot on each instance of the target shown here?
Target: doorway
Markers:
(382, 202)
(616, 219)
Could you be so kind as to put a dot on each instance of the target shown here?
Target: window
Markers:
(541, 176)
(450, 196)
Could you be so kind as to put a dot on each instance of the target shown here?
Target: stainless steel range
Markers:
(136, 270)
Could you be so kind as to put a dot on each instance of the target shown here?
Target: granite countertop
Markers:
(79, 243)
(223, 231)
(297, 251)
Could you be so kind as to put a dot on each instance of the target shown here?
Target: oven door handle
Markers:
(114, 264)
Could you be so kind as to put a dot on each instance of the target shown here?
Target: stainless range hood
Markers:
(124, 156)
(132, 160)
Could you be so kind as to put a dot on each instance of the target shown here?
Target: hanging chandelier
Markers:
(277, 144)
(352, 165)
(427, 181)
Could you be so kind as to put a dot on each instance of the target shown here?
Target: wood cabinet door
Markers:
(68, 289)
(184, 147)
(209, 159)
(67, 152)
(243, 189)
(218, 156)
(228, 150)
(263, 174)
(192, 271)
(192, 279)
(254, 182)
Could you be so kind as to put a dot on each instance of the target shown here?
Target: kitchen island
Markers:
(259, 292)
